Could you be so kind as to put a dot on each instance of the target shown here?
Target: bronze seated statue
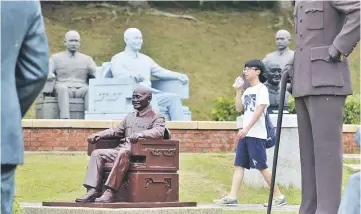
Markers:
(152, 174)
(135, 160)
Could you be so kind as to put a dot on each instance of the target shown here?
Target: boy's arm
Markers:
(239, 104)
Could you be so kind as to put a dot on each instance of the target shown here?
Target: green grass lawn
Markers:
(211, 52)
(351, 162)
(203, 178)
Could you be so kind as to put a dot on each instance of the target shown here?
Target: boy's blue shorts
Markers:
(251, 153)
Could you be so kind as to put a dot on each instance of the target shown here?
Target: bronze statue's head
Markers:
(141, 97)
(273, 73)
(72, 41)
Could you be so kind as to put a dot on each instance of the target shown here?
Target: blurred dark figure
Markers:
(24, 69)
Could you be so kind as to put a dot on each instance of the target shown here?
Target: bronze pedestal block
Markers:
(152, 175)
(152, 179)
(155, 155)
(150, 187)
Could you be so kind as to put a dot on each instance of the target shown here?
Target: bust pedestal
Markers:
(288, 166)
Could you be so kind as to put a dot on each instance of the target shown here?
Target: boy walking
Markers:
(251, 147)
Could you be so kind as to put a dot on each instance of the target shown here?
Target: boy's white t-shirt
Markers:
(252, 97)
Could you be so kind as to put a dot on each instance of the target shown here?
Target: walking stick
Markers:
(284, 80)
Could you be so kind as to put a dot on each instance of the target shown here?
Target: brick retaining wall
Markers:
(191, 140)
(349, 145)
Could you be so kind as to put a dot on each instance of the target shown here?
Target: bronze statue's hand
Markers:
(133, 138)
(334, 55)
(289, 88)
(289, 70)
(93, 139)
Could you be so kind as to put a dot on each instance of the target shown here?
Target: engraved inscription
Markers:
(165, 152)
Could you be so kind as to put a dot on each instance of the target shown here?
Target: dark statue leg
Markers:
(115, 177)
(93, 176)
(119, 169)
(307, 156)
(324, 114)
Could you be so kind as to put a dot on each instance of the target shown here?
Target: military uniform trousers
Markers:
(320, 120)
(118, 156)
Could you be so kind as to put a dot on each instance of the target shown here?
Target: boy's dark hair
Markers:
(260, 65)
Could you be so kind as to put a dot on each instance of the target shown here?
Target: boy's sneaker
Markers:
(226, 200)
(277, 201)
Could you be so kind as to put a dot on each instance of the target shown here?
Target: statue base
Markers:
(48, 108)
(117, 208)
(120, 204)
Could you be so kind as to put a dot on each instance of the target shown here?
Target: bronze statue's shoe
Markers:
(91, 195)
(107, 197)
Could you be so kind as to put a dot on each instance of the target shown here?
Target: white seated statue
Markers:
(110, 92)
(132, 63)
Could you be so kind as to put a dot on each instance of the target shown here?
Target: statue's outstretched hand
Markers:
(183, 78)
(133, 138)
(138, 78)
(94, 138)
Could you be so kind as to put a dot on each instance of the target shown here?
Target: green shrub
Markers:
(224, 109)
(16, 207)
(352, 110)
(291, 105)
